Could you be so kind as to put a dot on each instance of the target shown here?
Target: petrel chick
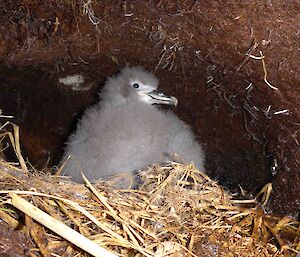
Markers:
(126, 131)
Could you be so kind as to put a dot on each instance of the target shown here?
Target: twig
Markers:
(265, 71)
(266, 193)
(15, 141)
(249, 86)
(286, 111)
(252, 47)
(58, 227)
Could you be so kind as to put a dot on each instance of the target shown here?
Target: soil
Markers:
(13, 243)
(206, 53)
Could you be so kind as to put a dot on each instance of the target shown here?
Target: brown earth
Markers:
(13, 243)
(198, 49)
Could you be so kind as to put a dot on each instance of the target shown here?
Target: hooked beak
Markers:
(158, 97)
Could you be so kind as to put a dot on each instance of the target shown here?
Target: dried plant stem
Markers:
(58, 227)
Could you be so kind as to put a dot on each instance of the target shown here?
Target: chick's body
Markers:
(125, 134)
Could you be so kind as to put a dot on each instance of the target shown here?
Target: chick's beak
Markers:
(158, 97)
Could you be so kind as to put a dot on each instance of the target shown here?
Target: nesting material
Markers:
(177, 211)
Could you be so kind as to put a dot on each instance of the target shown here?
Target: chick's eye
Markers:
(135, 85)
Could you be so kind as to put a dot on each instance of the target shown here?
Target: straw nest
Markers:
(177, 211)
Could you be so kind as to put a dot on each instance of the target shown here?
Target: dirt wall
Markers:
(232, 64)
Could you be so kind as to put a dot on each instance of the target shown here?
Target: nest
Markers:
(177, 211)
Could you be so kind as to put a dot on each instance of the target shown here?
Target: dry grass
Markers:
(177, 211)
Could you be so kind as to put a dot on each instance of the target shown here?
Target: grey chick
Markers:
(126, 131)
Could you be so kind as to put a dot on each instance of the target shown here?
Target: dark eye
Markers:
(135, 85)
